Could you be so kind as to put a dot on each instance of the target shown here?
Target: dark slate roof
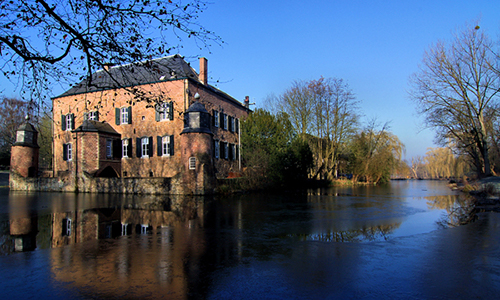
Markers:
(166, 68)
(95, 126)
(26, 127)
(197, 107)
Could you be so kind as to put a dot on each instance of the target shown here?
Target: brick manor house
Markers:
(130, 122)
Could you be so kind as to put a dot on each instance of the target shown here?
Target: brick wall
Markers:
(144, 124)
(22, 159)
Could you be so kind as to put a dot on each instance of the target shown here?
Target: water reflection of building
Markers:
(159, 258)
(75, 223)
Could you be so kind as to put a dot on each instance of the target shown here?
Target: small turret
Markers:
(197, 119)
(24, 152)
(197, 143)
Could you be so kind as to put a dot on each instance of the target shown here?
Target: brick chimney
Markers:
(203, 70)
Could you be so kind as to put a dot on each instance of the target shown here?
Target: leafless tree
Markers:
(48, 41)
(454, 88)
(325, 113)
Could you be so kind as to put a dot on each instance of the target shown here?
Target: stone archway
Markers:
(108, 172)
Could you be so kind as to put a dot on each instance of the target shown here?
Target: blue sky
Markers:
(373, 45)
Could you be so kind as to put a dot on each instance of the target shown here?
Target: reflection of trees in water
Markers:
(367, 234)
(459, 209)
(441, 202)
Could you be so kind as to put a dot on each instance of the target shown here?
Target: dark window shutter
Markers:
(72, 117)
(117, 116)
(85, 116)
(150, 147)
(171, 110)
(129, 115)
(138, 147)
(159, 145)
(171, 150)
(214, 147)
(221, 120)
(97, 116)
(237, 152)
(213, 117)
(65, 152)
(63, 122)
(231, 124)
(157, 115)
(129, 148)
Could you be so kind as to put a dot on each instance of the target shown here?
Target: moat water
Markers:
(389, 242)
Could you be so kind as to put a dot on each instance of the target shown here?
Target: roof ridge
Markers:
(143, 62)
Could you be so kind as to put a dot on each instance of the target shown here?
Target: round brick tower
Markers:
(24, 152)
(196, 151)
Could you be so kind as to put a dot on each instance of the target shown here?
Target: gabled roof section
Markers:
(162, 69)
(95, 126)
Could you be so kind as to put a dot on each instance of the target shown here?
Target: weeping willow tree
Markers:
(442, 163)
(439, 163)
(375, 154)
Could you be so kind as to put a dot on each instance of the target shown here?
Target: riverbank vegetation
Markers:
(314, 134)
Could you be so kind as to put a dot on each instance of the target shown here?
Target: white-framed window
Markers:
(165, 146)
(231, 124)
(125, 148)
(66, 227)
(124, 115)
(216, 118)
(70, 151)
(192, 163)
(67, 152)
(145, 147)
(93, 115)
(124, 229)
(164, 111)
(109, 148)
(216, 148)
(69, 121)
